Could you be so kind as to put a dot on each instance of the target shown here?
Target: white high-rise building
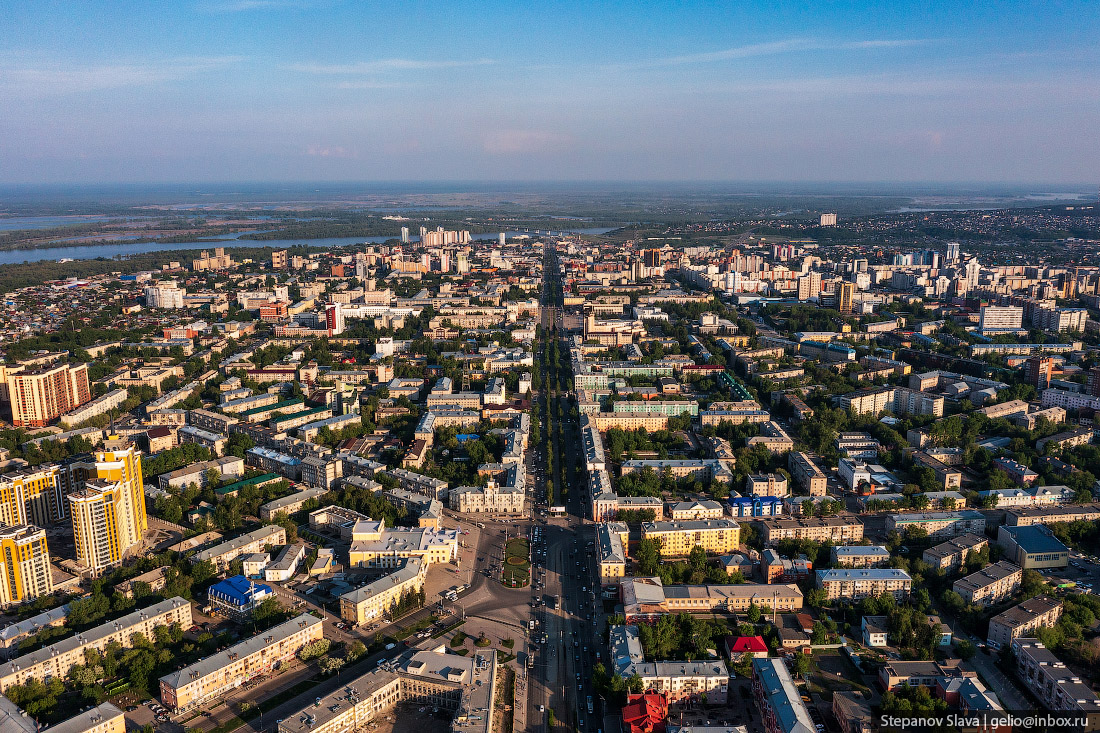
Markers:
(973, 270)
(423, 233)
(828, 220)
(501, 239)
(953, 251)
(404, 235)
(995, 318)
(165, 295)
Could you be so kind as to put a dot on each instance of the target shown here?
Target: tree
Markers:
(753, 614)
(964, 649)
(648, 556)
(801, 665)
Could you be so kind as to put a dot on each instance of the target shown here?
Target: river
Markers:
(92, 251)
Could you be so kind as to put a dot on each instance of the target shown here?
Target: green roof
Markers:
(275, 406)
(301, 413)
(244, 483)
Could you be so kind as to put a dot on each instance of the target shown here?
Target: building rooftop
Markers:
(210, 665)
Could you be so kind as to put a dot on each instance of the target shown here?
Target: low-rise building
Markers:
(1032, 548)
(215, 675)
(990, 585)
(646, 599)
(611, 550)
(778, 699)
(237, 597)
(860, 556)
(1023, 619)
(689, 510)
(807, 474)
(55, 660)
(953, 553)
(766, 484)
(1053, 515)
(289, 504)
(286, 563)
(715, 536)
(840, 529)
(854, 584)
(939, 524)
(378, 598)
(1048, 678)
(246, 544)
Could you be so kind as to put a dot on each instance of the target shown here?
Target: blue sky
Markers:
(272, 90)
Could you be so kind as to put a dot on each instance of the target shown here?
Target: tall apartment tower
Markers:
(107, 506)
(32, 496)
(828, 220)
(41, 396)
(278, 259)
(423, 233)
(334, 318)
(845, 292)
(501, 239)
(1037, 371)
(953, 251)
(405, 235)
(24, 564)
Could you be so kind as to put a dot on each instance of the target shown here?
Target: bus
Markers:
(557, 510)
(589, 704)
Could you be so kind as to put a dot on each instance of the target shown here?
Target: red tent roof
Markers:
(749, 644)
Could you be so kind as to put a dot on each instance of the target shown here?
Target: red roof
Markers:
(646, 713)
(752, 644)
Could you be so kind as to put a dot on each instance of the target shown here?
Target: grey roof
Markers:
(33, 624)
(783, 697)
(214, 662)
(82, 722)
(78, 641)
(14, 719)
(238, 542)
(409, 569)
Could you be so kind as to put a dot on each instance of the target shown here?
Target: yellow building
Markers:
(611, 538)
(715, 536)
(25, 563)
(31, 496)
(226, 670)
(374, 545)
(374, 600)
(108, 505)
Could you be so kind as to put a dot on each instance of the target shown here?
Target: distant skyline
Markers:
(324, 90)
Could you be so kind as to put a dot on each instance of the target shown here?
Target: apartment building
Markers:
(898, 400)
(57, 659)
(767, 484)
(806, 473)
(289, 504)
(675, 680)
(939, 524)
(857, 583)
(694, 510)
(1053, 515)
(215, 675)
(842, 529)
(860, 556)
(107, 506)
(1023, 619)
(773, 437)
(377, 598)
(24, 564)
(895, 674)
(246, 544)
(990, 585)
(40, 396)
(646, 599)
(490, 499)
(678, 539)
(611, 542)
(1048, 678)
(778, 699)
(953, 553)
(32, 496)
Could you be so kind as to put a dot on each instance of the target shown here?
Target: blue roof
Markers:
(1035, 538)
(238, 590)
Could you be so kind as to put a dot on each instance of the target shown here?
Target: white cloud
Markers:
(384, 65)
(39, 80)
(772, 48)
(330, 151)
(239, 6)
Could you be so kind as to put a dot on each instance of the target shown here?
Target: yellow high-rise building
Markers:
(25, 564)
(108, 507)
(845, 293)
(31, 496)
